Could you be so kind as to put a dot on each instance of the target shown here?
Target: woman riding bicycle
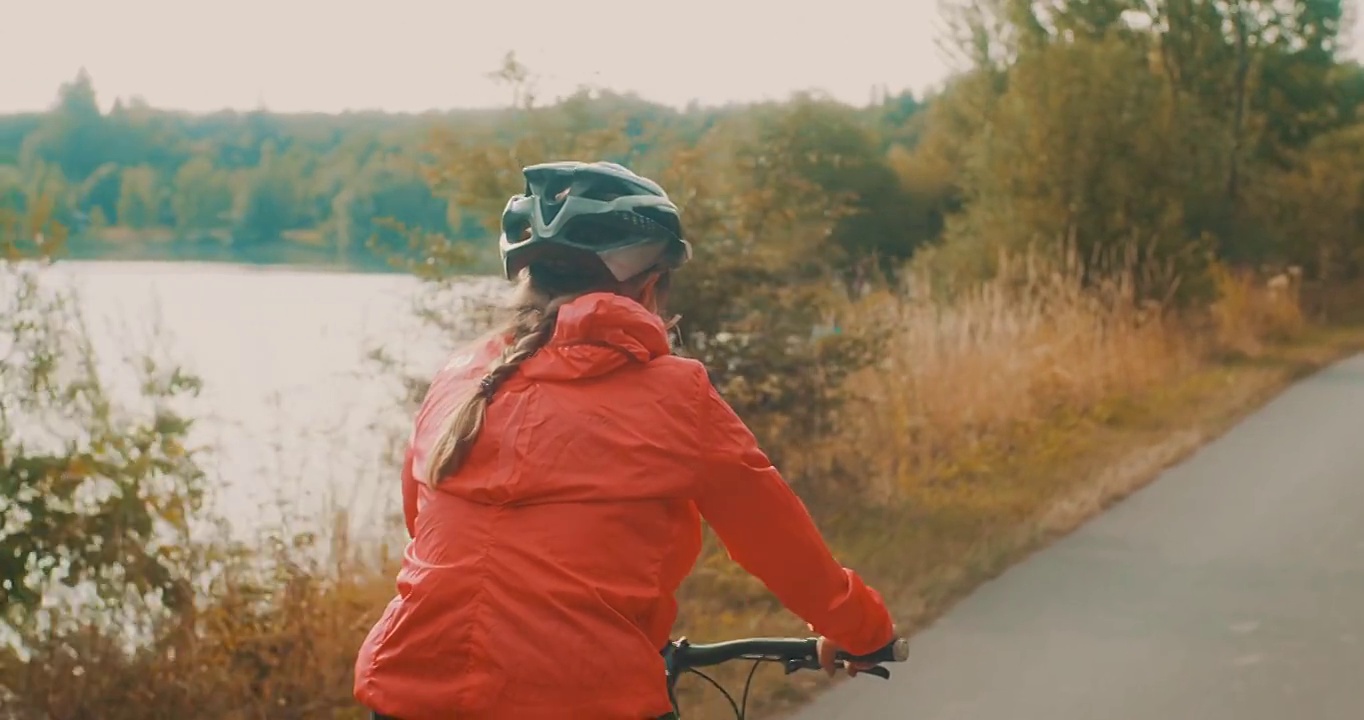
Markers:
(556, 478)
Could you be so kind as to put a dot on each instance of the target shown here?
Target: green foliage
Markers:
(139, 202)
(202, 196)
(1322, 199)
(1167, 126)
(837, 153)
(96, 494)
(268, 201)
(1081, 133)
(100, 192)
(761, 284)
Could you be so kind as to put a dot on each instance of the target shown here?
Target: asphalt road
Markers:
(1232, 588)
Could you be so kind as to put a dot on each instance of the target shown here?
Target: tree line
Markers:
(350, 182)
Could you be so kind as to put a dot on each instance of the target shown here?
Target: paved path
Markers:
(1232, 588)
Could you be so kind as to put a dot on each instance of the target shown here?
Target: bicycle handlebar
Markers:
(794, 653)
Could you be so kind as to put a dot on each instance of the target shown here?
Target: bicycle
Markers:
(795, 654)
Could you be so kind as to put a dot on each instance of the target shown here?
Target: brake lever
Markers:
(796, 665)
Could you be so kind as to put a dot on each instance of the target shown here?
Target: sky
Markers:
(417, 55)
(414, 55)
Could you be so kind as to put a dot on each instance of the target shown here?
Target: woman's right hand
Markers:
(828, 656)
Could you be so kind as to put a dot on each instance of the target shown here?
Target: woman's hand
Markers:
(828, 652)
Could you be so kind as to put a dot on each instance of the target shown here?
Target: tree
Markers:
(100, 191)
(832, 148)
(1322, 200)
(389, 200)
(139, 199)
(268, 200)
(74, 135)
(12, 195)
(201, 196)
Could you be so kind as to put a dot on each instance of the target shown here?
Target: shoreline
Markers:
(235, 267)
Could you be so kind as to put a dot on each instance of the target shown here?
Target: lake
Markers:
(299, 417)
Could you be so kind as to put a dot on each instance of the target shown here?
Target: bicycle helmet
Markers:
(590, 217)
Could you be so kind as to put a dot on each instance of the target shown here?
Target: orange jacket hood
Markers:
(596, 334)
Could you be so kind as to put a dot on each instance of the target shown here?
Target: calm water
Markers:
(299, 418)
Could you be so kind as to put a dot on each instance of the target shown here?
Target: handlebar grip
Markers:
(897, 650)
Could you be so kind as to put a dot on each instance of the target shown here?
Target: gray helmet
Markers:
(590, 217)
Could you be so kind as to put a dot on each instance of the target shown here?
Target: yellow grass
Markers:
(1009, 413)
(123, 234)
(306, 236)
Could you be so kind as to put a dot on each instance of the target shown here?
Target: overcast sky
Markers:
(414, 55)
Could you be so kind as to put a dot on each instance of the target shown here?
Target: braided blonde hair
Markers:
(539, 296)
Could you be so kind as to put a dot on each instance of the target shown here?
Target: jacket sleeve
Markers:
(768, 531)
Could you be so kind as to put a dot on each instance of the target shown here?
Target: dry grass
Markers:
(1007, 357)
(1248, 314)
(123, 235)
(275, 637)
(307, 236)
(1010, 413)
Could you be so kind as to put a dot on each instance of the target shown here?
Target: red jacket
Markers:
(539, 582)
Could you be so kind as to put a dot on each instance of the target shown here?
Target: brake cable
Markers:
(733, 705)
(747, 685)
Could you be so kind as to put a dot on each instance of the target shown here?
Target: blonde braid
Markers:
(531, 328)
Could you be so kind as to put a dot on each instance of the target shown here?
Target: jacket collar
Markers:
(597, 333)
